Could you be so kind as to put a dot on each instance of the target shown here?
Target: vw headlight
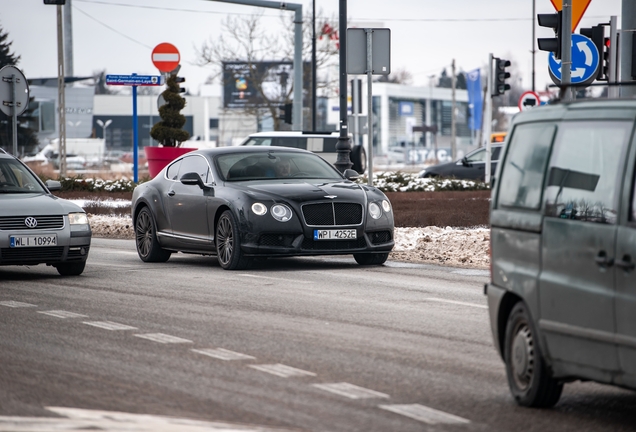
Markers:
(375, 211)
(386, 206)
(259, 209)
(281, 212)
(78, 219)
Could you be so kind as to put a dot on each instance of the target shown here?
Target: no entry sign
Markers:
(165, 57)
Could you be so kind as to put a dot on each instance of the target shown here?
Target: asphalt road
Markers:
(311, 344)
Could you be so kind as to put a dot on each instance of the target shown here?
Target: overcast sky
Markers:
(119, 35)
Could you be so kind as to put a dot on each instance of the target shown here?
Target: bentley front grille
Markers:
(330, 214)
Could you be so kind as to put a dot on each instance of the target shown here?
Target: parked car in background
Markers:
(470, 167)
(239, 203)
(321, 143)
(562, 296)
(36, 227)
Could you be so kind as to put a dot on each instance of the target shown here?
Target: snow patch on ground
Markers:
(432, 245)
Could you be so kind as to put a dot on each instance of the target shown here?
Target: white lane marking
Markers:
(109, 325)
(63, 314)
(274, 278)
(16, 304)
(76, 419)
(162, 338)
(281, 370)
(425, 414)
(475, 305)
(351, 391)
(472, 272)
(223, 354)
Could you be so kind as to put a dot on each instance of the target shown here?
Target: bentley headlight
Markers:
(375, 211)
(281, 212)
(77, 219)
(386, 206)
(259, 209)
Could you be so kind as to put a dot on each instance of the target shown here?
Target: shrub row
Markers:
(385, 181)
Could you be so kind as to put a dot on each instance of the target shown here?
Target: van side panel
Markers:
(516, 263)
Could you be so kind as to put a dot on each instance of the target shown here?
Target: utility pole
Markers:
(60, 93)
(313, 67)
(453, 115)
(534, 51)
(487, 118)
(68, 39)
(628, 27)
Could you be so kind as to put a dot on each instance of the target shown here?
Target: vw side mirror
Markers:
(53, 185)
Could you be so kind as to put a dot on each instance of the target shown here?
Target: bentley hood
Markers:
(303, 191)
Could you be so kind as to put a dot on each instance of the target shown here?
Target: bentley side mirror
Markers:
(350, 174)
(465, 162)
(192, 179)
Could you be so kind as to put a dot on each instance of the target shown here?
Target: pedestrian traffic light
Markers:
(553, 21)
(180, 80)
(501, 75)
(286, 112)
(597, 35)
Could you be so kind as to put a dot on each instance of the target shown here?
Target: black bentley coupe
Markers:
(239, 203)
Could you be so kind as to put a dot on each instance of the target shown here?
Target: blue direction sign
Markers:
(134, 80)
(585, 62)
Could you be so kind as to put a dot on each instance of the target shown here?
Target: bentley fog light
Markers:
(386, 206)
(374, 210)
(259, 209)
(77, 219)
(281, 212)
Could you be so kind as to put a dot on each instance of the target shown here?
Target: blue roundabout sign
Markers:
(585, 62)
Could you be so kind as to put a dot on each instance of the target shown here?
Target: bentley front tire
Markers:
(371, 258)
(228, 248)
(148, 247)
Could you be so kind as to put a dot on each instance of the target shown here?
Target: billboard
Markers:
(255, 84)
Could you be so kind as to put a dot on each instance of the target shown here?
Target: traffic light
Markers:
(501, 75)
(597, 35)
(551, 44)
(286, 112)
(180, 80)
(605, 58)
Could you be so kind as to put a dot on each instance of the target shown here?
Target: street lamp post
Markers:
(343, 147)
(104, 125)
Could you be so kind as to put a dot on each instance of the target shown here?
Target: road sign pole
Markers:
(14, 101)
(369, 33)
(135, 147)
(488, 119)
(613, 91)
(61, 99)
(566, 49)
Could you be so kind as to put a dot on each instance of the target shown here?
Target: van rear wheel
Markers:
(530, 382)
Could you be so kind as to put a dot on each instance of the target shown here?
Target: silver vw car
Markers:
(37, 227)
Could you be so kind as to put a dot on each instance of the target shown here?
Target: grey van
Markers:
(562, 296)
(321, 143)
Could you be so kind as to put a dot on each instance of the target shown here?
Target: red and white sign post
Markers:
(165, 57)
(529, 100)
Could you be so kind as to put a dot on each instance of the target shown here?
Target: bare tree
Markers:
(246, 40)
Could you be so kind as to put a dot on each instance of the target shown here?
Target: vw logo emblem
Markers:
(31, 222)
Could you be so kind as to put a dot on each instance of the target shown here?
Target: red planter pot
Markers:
(159, 157)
